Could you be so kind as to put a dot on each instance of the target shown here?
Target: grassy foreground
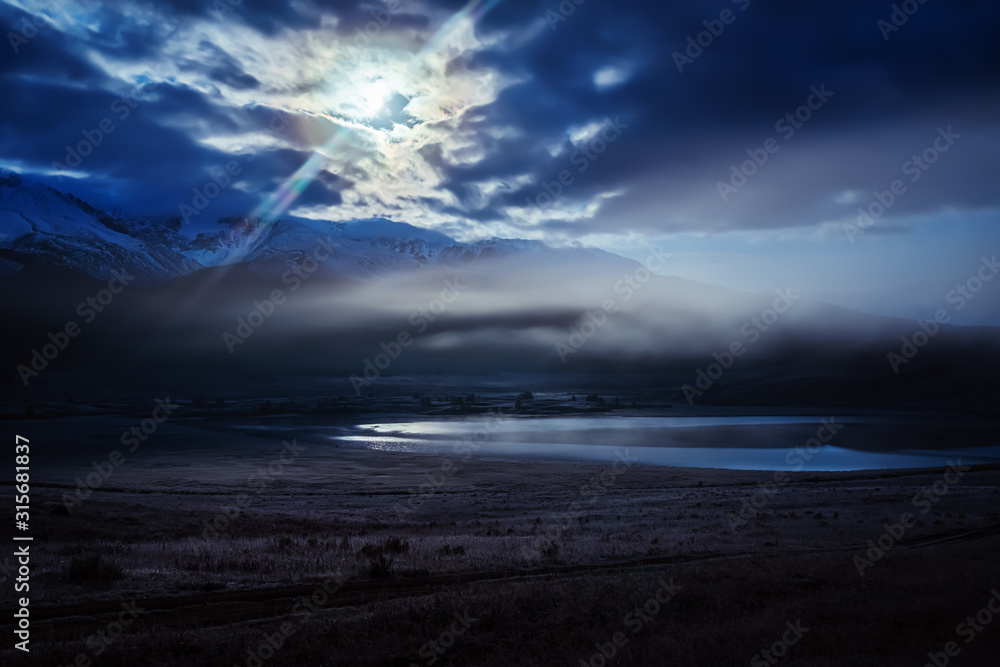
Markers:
(346, 560)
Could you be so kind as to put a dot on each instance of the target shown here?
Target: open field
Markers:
(340, 557)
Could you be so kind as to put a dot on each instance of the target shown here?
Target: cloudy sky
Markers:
(740, 135)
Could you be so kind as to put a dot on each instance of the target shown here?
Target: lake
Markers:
(734, 442)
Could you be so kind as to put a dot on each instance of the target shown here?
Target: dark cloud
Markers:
(685, 129)
(45, 53)
(221, 67)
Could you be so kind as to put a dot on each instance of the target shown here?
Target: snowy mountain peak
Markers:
(8, 178)
(42, 226)
(382, 228)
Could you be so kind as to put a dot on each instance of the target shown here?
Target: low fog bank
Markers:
(532, 316)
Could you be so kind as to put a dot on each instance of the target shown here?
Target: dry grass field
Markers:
(333, 562)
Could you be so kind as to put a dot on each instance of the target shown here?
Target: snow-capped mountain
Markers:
(44, 227)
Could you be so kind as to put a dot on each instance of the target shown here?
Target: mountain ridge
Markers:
(42, 225)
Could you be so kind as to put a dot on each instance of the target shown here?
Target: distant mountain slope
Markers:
(45, 227)
(49, 228)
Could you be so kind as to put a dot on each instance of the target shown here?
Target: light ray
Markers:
(281, 199)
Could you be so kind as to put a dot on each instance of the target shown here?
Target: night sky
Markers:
(742, 136)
